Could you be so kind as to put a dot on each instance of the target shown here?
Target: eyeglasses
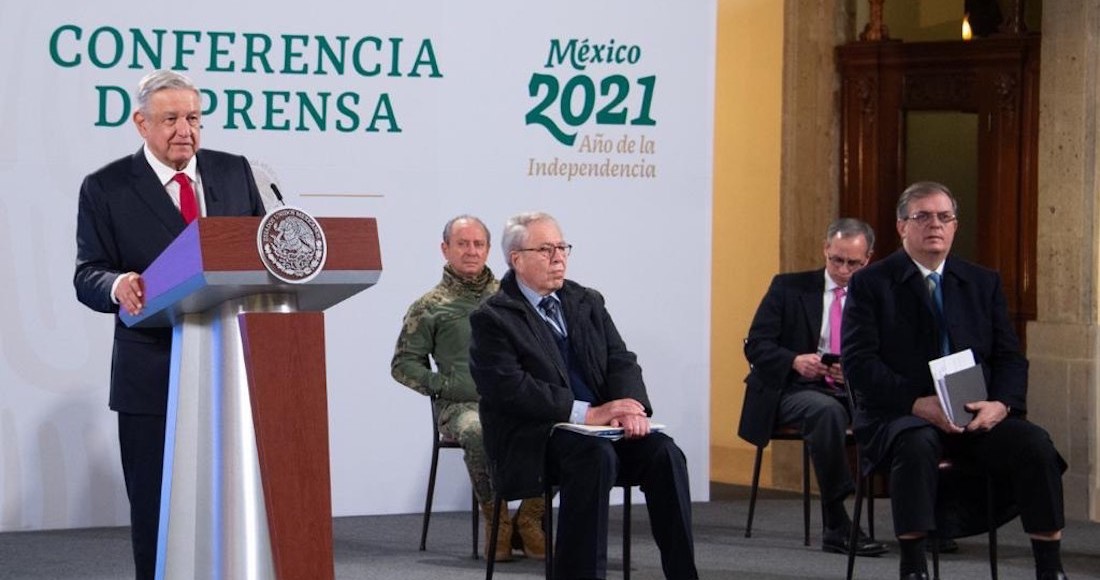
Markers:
(839, 262)
(925, 217)
(547, 250)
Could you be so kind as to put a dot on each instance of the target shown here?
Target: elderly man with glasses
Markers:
(919, 304)
(795, 376)
(130, 210)
(544, 350)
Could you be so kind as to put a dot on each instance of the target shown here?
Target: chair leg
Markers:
(755, 488)
(934, 538)
(626, 532)
(548, 530)
(489, 561)
(856, 509)
(805, 494)
(992, 517)
(475, 519)
(871, 506)
(428, 499)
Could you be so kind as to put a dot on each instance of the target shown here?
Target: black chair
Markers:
(945, 466)
(441, 442)
(549, 495)
(785, 433)
(548, 527)
(792, 433)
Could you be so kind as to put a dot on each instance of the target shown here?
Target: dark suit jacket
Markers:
(524, 383)
(890, 334)
(787, 324)
(125, 220)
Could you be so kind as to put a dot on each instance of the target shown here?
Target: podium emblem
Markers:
(291, 244)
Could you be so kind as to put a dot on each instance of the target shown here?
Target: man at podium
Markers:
(129, 211)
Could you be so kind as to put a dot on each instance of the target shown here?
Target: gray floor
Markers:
(384, 547)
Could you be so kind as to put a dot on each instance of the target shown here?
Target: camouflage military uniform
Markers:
(437, 325)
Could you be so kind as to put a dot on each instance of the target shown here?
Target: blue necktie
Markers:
(936, 288)
(550, 307)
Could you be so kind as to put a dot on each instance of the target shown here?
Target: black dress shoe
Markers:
(836, 542)
(915, 576)
(1059, 575)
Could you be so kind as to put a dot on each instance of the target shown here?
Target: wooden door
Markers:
(997, 80)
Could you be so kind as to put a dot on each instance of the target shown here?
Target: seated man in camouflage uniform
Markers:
(437, 326)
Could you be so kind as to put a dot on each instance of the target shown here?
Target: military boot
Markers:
(502, 552)
(529, 524)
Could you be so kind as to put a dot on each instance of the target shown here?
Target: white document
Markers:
(605, 431)
(944, 366)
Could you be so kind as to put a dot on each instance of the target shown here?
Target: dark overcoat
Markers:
(523, 381)
(787, 323)
(890, 333)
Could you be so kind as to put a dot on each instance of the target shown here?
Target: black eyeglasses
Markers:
(841, 262)
(925, 217)
(548, 250)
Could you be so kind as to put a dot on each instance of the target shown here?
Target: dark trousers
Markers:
(586, 469)
(141, 442)
(1014, 449)
(823, 419)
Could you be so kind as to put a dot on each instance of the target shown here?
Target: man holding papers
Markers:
(544, 350)
(917, 305)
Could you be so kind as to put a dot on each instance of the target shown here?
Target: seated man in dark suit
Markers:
(917, 305)
(789, 384)
(544, 350)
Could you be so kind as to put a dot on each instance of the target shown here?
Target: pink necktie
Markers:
(835, 312)
(189, 207)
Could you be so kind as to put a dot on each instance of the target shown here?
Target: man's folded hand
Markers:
(617, 409)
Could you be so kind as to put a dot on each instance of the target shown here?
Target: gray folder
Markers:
(962, 387)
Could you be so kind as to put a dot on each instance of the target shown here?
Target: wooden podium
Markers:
(246, 490)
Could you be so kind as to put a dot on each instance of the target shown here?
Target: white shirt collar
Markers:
(166, 173)
(924, 272)
(533, 297)
(830, 284)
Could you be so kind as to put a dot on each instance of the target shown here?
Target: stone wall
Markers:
(810, 180)
(1062, 342)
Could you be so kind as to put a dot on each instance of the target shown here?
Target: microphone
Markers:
(278, 194)
(270, 194)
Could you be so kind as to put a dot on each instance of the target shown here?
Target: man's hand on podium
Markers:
(130, 293)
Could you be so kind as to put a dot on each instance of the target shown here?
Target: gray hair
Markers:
(921, 190)
(515, 231)
(451, 222)
(159, 81)
(850, 228)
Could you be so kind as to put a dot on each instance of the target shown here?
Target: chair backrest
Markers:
(849, 393)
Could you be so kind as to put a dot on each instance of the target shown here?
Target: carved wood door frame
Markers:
(997, 78)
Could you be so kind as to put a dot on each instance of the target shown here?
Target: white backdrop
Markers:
(445, 87)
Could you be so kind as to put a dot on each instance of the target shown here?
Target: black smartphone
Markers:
(829, 359)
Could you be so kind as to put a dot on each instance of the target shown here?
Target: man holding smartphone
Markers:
(795, 376)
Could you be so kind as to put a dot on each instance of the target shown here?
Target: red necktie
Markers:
(189, 206)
